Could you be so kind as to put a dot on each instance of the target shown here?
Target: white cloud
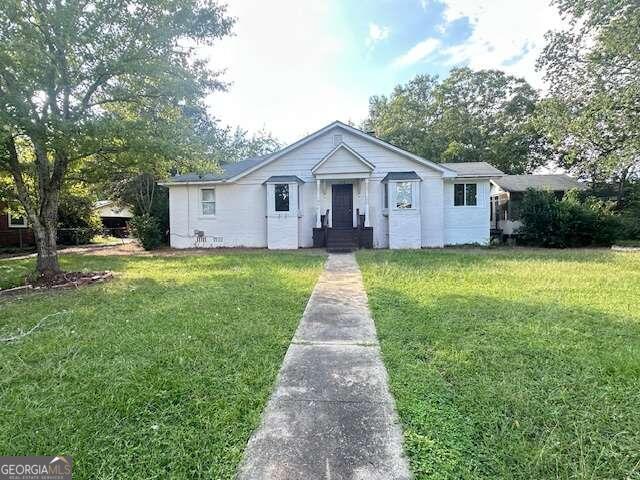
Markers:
(376, 34)
(282, 63)
(507, 34)
(417, 53)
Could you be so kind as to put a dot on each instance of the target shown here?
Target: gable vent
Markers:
(337, 139)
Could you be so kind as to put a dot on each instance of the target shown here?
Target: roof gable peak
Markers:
(343, 146)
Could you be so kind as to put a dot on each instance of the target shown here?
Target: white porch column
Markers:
(318, 222)
(367, 222)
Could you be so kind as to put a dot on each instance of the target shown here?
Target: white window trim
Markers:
(215, 203)
(20, 225)
(464, 205)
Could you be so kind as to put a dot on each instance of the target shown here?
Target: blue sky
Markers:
(295, 65)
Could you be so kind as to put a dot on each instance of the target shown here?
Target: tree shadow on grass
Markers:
(161, 373)
(491, 388)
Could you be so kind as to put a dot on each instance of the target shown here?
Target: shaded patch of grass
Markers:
(14, 272)
(512, 363)
(161, 373)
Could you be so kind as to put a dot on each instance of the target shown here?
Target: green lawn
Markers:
(511, 363)
(13, 272)
(161, 373)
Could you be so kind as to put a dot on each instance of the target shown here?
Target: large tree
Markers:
(592, 113)
(469, 116)
(234, 145)
(85, 82)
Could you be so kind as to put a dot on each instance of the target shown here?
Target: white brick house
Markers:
(338, 187)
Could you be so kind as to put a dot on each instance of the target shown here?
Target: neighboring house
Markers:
(507, 192)
(338, 187)
(113, 216)
(14, 229)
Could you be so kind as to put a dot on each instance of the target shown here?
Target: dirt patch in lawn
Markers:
(63, 280)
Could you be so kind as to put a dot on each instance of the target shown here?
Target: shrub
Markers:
(630, 214)
(144, 196)
(630, 226)
(538, 217)
(147, 229)
(78, 222)
(160, 211)
(570, 222)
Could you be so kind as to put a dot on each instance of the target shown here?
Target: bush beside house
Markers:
(567, 222)
(146, 228)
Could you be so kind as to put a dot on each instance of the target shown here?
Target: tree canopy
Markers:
(87, 84)
(591, 115)
(469, 116)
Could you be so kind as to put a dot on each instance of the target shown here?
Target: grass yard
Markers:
(161, 373)
(512, 364)
(13, 272)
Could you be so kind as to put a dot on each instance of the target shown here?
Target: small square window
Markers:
(337, 139)
(404, 195)
(465, 194)
(17, 221)
(208, 201)
(282, 197)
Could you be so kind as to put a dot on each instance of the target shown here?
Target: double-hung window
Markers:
(281, 192)
(465, 194)
(404, 195)
(208, 200)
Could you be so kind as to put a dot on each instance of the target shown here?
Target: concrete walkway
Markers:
(331, 415)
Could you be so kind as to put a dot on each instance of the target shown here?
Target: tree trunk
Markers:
(45, 232)
(45, 236)
(622, 180)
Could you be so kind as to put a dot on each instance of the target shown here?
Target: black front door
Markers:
(342, 205)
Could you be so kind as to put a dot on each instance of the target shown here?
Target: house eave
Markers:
(203, 182)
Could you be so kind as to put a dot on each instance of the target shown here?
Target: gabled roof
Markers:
(474, 169)
(283, 179)
(520, 183)
(235, 171)
(399, 176)
(343, 146)
(229, 170)
(353, 131)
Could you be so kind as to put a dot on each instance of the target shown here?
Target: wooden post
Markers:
(318, 222)
(367, 222)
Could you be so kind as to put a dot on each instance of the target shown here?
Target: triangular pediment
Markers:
(342, 159)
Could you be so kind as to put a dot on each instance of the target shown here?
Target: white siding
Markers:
(282, 227)
(239, 219)
(300, 162)
(466, 224)
(342, 161)
(113, 211)
(404, 224)
(432, 215)
(241, 207)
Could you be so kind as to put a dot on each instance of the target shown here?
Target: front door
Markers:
(342, 205)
